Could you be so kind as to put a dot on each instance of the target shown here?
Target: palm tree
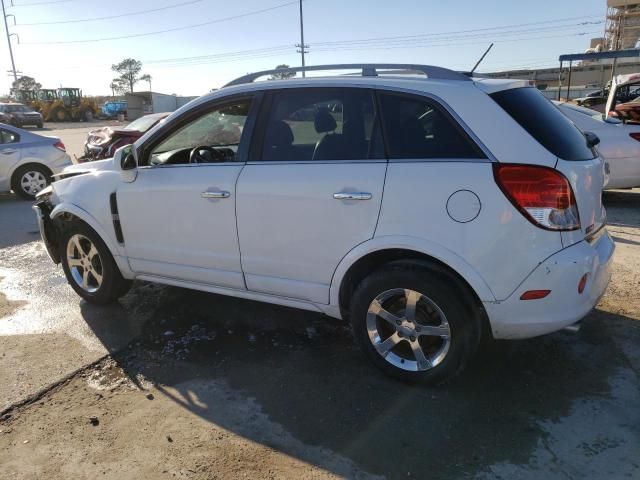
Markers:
(146, 78)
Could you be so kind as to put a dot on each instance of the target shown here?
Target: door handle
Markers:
(215, 195)
(7, 152)
(352, 196)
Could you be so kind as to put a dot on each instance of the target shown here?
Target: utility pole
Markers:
(6, 29)
(302, 47)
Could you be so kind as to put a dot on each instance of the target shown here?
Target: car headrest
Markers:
(324, 122)
(280, 134)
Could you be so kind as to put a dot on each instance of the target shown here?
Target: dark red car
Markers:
(103, 142)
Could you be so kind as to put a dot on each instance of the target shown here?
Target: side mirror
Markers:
(125, 161)
(592, 139)
(124, 158)
(128, 162)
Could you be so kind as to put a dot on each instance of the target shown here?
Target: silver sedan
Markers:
(28, 160)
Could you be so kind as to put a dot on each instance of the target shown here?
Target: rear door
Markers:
(312, 191)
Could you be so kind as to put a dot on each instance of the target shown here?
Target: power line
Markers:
(216, 55)
(458, 32)
(279, 50)
(110, 17)
(425, 41)
(157, 32)
(446, 44)
(40, 3)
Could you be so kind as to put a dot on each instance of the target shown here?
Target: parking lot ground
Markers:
(172, 383)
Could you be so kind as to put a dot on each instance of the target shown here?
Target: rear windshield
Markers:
(544, 122)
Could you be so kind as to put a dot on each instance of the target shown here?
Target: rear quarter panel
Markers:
(499, 244)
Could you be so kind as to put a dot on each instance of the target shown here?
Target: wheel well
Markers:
(14, 176)
(371, 262)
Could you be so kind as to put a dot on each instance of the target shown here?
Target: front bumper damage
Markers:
(48, 230)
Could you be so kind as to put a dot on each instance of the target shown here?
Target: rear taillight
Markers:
(60, 146)
(543, 195)
(635, 136)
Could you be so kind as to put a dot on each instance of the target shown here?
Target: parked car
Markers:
(19, 115)
(27, 161)
(103, 142)
(619, 143)
(427, 212)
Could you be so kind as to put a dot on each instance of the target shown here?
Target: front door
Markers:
(178, 216)
(312, 191)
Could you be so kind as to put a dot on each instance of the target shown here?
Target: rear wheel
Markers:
(89, 266)
(414, 323)
(29, 180)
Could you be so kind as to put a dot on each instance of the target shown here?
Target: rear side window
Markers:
(416, 128)
(544, 122)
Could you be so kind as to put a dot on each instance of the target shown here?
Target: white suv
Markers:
(427, 211)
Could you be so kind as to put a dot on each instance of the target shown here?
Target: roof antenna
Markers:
(481, 58)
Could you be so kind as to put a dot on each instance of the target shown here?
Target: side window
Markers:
(8, 137)
(416, 128)
(322, 124)
(217, 132)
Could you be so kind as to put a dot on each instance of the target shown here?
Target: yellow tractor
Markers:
(66, 104)
(43, 101)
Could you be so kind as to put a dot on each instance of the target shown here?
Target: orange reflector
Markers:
(582, 283)
(534, 294)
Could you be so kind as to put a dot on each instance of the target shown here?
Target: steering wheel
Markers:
(205, 154)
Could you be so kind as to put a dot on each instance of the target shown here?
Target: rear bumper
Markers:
(560, 273)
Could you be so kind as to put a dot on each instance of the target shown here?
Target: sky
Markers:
(211, 42)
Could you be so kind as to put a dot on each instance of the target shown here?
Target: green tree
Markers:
(26, 83)
(282, 75)
(128, 71)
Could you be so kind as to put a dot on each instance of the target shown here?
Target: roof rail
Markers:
(368, 70)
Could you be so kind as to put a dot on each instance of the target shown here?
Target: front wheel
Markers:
(89, 266)
(414, 322)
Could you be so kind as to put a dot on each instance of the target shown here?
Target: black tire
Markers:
(40, 125)
(113, 285)
(16, 180)
(59, 114)
(443, 290)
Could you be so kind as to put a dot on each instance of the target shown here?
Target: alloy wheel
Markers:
(32, 182)
(84, 263)
(408, 329)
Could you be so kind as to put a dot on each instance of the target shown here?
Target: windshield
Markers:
(143, 124)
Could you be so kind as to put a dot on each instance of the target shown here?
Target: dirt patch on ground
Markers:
(103, 425)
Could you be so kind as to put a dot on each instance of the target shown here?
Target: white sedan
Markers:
(27, 160)
(619, 143)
